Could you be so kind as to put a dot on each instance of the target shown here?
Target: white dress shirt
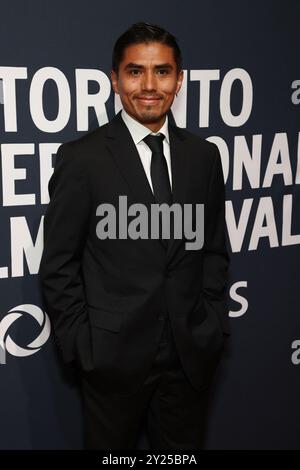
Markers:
(138, 133)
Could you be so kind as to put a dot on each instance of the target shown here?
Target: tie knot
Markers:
(155, 142)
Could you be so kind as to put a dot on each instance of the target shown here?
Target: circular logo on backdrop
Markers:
(8, 344)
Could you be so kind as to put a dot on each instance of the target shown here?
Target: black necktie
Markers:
(159, 169)
(159, 172)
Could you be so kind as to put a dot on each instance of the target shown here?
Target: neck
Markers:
(155, 126)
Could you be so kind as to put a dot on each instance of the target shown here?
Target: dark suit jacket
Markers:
(105, 297)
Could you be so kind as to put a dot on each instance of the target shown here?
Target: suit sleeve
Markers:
(216, 257)
(65, 231)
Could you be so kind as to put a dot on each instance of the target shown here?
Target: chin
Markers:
(148, 117)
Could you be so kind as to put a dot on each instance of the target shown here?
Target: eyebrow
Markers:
(132, 65)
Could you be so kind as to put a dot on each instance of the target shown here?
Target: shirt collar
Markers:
(138, 131)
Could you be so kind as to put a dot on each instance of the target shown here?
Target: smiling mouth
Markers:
(149, 100)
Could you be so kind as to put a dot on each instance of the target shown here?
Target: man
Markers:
(142, 318)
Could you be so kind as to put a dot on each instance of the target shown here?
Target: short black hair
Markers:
(140, 33)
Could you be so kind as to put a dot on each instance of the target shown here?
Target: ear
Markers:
(179, 81)
(114, 81)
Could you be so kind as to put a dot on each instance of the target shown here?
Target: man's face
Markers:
(147, 82)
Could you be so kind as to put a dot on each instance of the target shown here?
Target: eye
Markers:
(163, 71)
(134, 72)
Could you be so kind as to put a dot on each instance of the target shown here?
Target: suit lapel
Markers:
(179, 167)
(126, 156)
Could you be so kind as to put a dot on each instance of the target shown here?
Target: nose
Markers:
(149, 81)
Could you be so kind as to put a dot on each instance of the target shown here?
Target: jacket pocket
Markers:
(100, 318)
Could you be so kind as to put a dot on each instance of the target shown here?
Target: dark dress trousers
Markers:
(144, 322)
